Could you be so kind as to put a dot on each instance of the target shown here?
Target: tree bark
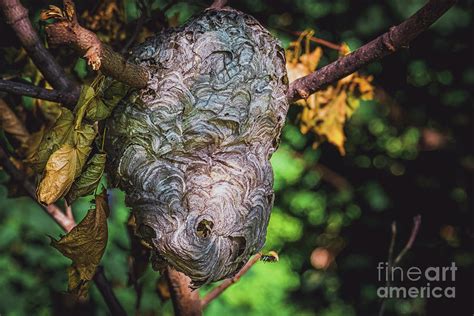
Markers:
(67, 31)
(186, 301)
(16, 15)
(397, 37)
(29, 90)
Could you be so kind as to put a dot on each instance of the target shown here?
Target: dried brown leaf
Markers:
(10, 123)
(85, 245)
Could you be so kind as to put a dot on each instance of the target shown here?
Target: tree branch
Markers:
(397, 37)
(106, 290)
(218, 290)
(66, 30)
(185, 300)
(29, 90)
(333, 178)
(16, 16)
(394, 263)
(52, 210)
(411, 240)
(218, 4)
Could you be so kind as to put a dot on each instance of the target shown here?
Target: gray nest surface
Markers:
(192, 149)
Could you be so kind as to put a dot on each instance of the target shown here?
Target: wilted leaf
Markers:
(10, 123)
(97, 101)
(83, 136)
(45, 143)
(89, 179)
(85, 245)
(332, 126)
(325, 112)
(86, 96)
(107, 100)
(63, 166)
(53, 12)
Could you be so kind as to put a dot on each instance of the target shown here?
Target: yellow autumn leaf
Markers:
(46, 142)
(85, 245)
(63, 166)
(332, 127)
(325, 112)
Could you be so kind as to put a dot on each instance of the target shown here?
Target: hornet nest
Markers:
(192, 149)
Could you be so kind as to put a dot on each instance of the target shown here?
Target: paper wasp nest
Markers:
(192, 150)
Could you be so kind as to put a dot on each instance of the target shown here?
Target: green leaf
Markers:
(101, 107)
(89, 179)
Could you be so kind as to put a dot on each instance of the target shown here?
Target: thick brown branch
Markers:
(67, 31)
(18, 88)
(321, 41)
(397, 37)
(185, 300)
(16, 16)
(218, 290)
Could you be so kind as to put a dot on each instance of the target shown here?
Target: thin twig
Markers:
(392, 243)
(397, 37)
(106, 290)
(321, 41)
(333, 178)
(394, 263)
(140, 22)
(29, 90)
(218, 290)
(411, 240)
(16, 16)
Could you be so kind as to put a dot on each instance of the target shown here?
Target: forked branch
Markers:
(16, 15)
(397, 37)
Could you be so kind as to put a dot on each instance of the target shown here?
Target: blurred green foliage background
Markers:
(408, 152)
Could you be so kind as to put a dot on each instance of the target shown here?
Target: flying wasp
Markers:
(272, 256)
